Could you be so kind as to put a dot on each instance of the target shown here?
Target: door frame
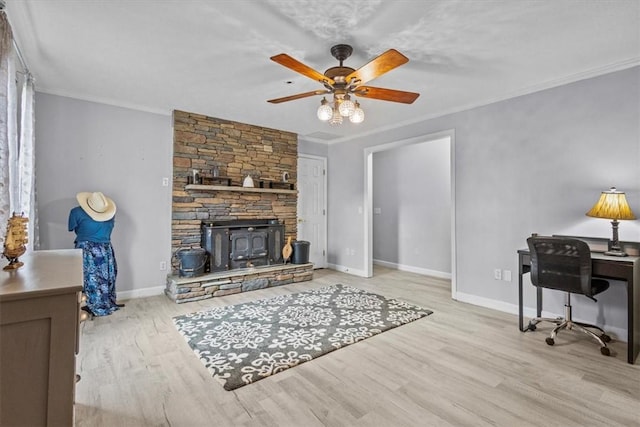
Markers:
(324, 205)
(368, 197)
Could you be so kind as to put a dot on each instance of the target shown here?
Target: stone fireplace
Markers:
(236, 150)
(224, 153)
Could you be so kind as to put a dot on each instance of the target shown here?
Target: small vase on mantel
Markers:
(248, 181)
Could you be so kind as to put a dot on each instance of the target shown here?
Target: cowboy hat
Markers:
(98, 206)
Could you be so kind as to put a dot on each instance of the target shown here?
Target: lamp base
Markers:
(616, 253)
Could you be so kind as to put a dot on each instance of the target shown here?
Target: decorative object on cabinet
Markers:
(15, 240)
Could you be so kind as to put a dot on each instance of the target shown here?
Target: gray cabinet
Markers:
(39, 316)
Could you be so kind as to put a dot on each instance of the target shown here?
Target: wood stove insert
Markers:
(242, 243)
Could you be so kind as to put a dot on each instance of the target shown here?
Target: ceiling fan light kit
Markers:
(347, 107)
(336, 118)
(342, 82)
(358, 114)
(325, 111)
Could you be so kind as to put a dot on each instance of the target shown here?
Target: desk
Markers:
(625, 268)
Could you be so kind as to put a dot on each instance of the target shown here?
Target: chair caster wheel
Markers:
(605, 338)
(550, 341)
(605, 351)
(531, 327)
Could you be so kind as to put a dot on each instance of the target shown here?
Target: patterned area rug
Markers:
(241, 344)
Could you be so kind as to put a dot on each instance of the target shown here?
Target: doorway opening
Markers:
(445, 137)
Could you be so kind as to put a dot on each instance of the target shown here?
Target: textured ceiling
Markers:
(212, 57)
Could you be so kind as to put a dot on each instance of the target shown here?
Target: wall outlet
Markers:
(163, 265)
(165, 182)
(497, 274)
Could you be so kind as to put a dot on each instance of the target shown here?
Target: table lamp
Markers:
(612, 205)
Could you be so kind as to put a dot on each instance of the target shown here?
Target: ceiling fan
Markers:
(341, 81)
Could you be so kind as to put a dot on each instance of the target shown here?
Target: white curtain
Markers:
(5, 128)
(17, 157)
(26, 160)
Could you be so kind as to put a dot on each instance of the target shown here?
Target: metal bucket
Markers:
(191, 262)
(300, 252)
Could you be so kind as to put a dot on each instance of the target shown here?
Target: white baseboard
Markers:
(619, 334)
(348, 270)
(412, 269)
(141, 293)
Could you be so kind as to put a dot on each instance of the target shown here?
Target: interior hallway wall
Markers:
(535, 163)
(412, 208)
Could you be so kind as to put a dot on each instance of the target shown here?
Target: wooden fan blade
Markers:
(386, 94)
(298, 96)
(299, 67)
(378, 66)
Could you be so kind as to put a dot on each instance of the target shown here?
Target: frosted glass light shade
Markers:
(347, 107)
(324, 110)
(358, 114)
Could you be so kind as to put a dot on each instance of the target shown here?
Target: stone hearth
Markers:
(186, 289)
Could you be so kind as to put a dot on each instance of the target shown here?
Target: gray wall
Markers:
(412, 207)
(85, 146)
(535, 163)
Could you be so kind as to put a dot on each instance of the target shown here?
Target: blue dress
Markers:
(98, 259)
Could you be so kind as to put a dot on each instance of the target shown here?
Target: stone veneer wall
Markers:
(201, 142)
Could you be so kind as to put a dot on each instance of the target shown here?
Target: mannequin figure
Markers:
(93, 222)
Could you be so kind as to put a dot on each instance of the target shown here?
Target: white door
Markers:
(312, 207)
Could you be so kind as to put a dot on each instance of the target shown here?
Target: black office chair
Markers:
(565, 264)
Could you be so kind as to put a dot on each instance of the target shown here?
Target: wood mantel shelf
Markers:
(238, 189)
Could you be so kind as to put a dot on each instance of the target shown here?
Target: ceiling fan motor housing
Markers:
(337, 74)
(341, 52)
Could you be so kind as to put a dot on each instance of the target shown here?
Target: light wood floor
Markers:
(461, 366)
